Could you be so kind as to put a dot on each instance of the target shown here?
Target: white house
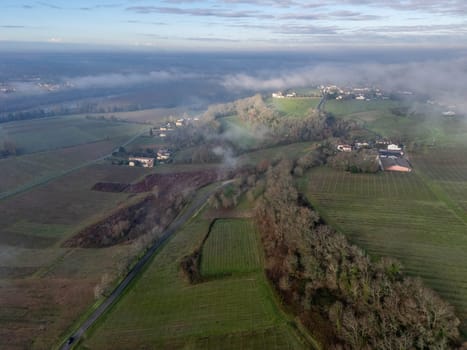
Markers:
(163, 154)
(344, 148)
(277, 95)
(144, 161)
(394, 147)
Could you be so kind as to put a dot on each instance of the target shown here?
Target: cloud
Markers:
(55, 40)
(307, 30)
(119, 79)
(199, 12)
(12, 26)
(49, 5)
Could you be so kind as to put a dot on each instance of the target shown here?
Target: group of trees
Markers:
(360, 161)
(207, 134)
(344, 298)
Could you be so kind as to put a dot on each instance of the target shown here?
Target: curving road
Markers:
(193, 208)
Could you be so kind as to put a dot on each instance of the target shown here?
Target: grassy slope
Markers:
(419, 218)
(162, 309)
(294, 107)
(398, 215)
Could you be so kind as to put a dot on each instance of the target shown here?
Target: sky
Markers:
(235, 24)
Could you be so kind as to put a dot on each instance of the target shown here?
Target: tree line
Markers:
(346, 300)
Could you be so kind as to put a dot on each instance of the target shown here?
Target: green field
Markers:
(231, 248)
(272, 154)
(50, 147)
(402, 216)
(44, 134)
(239, 132)
(350, 108)
(445, 170)
(162, 310)
(294, 107)
(402, 121)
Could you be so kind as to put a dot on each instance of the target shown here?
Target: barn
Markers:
(395, 164)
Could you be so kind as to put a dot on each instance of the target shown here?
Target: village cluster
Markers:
(9, 88)
(163, 155)
(6, 89)
(391, 156)
(166, 128)
(355, 93)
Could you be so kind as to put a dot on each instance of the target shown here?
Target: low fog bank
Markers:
(206, 78)
(444, 81)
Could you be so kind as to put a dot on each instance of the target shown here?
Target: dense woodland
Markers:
(346, 300)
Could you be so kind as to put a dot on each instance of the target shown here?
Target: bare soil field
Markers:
(152, 212)
(167, 183)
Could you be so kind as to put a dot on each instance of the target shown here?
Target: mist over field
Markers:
(197, 80)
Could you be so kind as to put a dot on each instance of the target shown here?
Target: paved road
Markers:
(195, 206)
(46, 180)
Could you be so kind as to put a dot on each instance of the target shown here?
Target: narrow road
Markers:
(322, 102)
(47, 179)
(194, 206)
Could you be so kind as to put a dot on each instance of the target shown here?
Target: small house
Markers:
(163, 155)
(394, 147)
(145, 162)
(277, 95)
(344, 148)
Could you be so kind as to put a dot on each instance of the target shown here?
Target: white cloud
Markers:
(55, 40)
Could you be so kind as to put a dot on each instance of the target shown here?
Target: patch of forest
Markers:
(346, 299)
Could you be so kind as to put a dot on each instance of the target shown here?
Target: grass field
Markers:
(43, 287)
(294, 107)
(402, 216)
(445, 170)
(152, 115)
(292, 151)
(404, 122)
(349, 108)
(231, 248)
(239, 132)
(162, 310)
(44, 134)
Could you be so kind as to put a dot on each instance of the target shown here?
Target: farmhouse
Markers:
(394, 147)
(277, 95)
(344, 148)
(395, 164)
(143, 161)
(163, 154)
